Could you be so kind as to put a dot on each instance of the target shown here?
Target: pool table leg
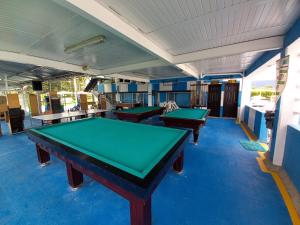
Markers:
(75, 177)
(196, 134)
(140, 211)
(42, 155)
(178, 164)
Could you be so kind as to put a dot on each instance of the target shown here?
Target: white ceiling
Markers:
(148, 39)
(182, 27)
(228, 64)
(45, 34)
(43, 28)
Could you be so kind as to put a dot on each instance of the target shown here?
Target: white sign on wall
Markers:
(167, 86)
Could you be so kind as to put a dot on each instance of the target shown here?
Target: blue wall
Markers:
(260, 128)
(291, 35)
(291, 161)
(183, 99)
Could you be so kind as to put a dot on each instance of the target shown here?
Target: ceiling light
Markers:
(92, 41)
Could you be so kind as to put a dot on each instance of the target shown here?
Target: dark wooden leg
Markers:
(56, 121)
(42, 155)
(196, 135)
(178, 164)
(102, 114)
(140, 212)
(75, 177)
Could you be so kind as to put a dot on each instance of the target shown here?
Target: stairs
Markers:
(91, 85)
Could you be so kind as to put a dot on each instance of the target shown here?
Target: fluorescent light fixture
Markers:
(92, 41)
(100, 76)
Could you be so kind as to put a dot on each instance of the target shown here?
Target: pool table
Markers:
(120, 155)
(122, 105)
(187, 118)
(139, 113)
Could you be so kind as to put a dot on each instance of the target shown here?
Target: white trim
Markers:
(150, 102)
(27, 59)
(222, 99)
(264, 44)
(128, 76)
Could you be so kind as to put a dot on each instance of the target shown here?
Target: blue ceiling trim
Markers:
(292, 34)
(221, 76)
(265, 57)
(180, 79)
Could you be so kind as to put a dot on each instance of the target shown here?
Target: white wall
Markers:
(287, 101)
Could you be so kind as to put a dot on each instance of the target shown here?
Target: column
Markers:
(150, 97)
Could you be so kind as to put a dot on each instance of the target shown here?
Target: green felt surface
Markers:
(195, 114)
(127, 146)
(138, 110)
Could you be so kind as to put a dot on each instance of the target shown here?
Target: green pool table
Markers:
(120, 155)
(187, 118)
(139, 113)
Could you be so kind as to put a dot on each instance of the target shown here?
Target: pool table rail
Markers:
(194, 124)
(137, 117)
(136, 190)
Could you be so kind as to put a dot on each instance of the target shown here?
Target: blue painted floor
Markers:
(221, 184)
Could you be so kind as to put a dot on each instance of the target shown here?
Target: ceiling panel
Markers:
(43, 28)
(187, 26)
(159, 72)
(228, 64)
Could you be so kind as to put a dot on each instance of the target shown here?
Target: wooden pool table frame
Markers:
(122, 105)
(136, 190)
(186, 123)
(137, 117)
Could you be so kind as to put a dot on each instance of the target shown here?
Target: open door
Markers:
(214, 99)
(231, 93)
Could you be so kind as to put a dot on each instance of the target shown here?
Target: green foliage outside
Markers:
(266, 93)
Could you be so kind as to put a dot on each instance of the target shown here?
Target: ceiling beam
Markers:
(259, 45)
(27, 59)
(102, 16)
(137, 66)
(188, 69)
(128, 76)
(41, 62)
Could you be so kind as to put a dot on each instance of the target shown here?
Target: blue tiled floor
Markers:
(221, 184)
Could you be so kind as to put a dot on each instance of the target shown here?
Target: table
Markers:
(139, 113)
(57, 117)
(187, 118)
(120, 155)
(122, 105)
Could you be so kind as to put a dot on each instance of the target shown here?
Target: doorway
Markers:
(214, 99)
(231, 94)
